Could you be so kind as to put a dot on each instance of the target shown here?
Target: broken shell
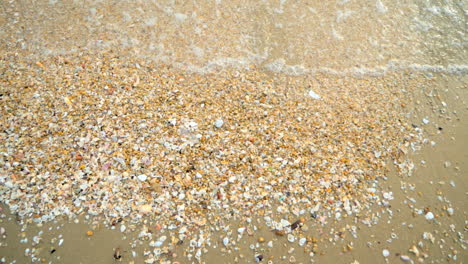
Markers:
(145, 209)
(219, 123)
(429, 216)
(302, 241)
(450, 211)
(280, 232)
(414, 250)
(117, 254)
(225, 241)
(142, 177)
(405, 258)
(291, 238)
(296, 224)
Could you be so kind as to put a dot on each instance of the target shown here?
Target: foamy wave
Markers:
(280, 66)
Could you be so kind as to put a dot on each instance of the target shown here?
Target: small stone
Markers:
(425, 121)
(405, 258)
(241, 230)
(291, 238)
(219, 123)
(89, 233)
(385, 253)
(429, 216)
(261, 239)
(123, 228)
(270, 244)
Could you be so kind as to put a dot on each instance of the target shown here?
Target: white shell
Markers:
(429, 216)
(142, 177)
(314, 95)
(225, 241)
(219, 123)
(302, 241)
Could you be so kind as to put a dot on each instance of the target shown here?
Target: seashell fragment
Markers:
(145, 209)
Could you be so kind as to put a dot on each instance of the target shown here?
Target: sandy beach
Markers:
(141, 132)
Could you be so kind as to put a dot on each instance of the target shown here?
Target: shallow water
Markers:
(294, 37)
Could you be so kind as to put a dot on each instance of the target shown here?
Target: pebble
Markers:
(405, 258)
(89, 233)
(429, 216)
(123, 228)
(385, 253)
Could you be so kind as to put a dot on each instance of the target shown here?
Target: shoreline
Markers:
(295, 91)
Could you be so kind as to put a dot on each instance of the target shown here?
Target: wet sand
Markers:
(436, 185)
